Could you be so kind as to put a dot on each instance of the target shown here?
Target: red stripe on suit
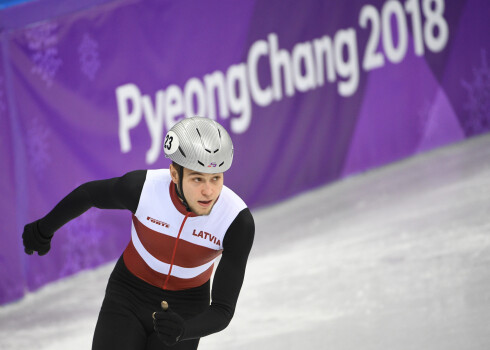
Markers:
(140, 269)
(161, 247)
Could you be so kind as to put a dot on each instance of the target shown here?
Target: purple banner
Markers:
(310, 91)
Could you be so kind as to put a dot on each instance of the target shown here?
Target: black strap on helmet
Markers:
(180, 189)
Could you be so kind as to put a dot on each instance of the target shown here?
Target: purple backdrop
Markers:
(310, 91)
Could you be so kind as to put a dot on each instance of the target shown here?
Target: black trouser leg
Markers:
(125, 320)
(116, 330)
(154, 343)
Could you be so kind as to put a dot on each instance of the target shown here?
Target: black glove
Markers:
(34, 240)
(168, 325)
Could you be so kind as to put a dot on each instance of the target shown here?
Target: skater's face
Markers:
(200, 190)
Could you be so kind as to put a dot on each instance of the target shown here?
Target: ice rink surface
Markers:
(396, 258)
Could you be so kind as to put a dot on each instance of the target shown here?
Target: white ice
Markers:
(396, 258)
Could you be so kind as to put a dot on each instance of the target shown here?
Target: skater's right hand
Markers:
(34, 240)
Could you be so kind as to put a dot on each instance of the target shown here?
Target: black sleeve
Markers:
(228, 279)
(116, 193)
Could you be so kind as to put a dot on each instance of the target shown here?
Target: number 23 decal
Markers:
(168, 142)
(171, 143)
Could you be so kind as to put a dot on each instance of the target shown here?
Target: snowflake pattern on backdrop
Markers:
(89, 56)
(37, 147)
(81, 249)
(42, 40)
(478, 105)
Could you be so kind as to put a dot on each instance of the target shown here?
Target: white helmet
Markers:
(199, 144)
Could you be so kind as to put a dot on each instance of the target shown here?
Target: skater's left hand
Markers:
(168, 325)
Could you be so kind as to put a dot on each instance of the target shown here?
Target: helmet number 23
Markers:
(171, 143)
(168, 142)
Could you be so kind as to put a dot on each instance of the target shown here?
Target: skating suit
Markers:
(170, 257)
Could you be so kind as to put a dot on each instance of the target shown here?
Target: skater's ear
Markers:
(174, 172)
